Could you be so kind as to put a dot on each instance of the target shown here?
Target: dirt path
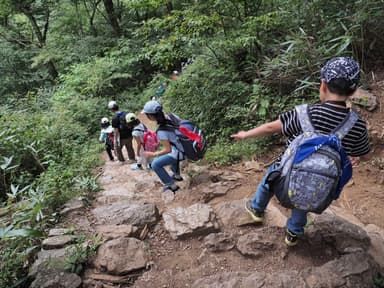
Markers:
(179, 263)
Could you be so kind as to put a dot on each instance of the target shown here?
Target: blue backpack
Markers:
(190, 136)
(314, 168)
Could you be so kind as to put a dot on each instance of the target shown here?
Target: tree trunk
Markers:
(41, 40)
(108, 4)
(169, 6)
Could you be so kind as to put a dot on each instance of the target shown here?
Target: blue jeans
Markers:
(263, 195)
(158, 165)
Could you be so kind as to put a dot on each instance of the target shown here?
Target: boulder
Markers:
(350, 270)
(121, 256)
(214, 190)
(233, 213)
(198, 219)
(72, 206)
(57, 242)
(333, 230)
(52, 274)
(258, 243)
(135, 213)
(216, 242)
(48, 255)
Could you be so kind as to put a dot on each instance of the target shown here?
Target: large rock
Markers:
(376, 250)
(72, 206)
(350, 270)
(335, 231)
(121, 256)
(135, 213)
(214, 190)
(365, 99)
(258, 243)
(233, 213)
(198, 219)
(57, 242)
(57, 255)
(216, 242)
(51, 274)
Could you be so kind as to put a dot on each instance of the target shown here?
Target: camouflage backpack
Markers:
(314, 168)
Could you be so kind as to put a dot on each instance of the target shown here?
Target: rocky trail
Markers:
(203, 237)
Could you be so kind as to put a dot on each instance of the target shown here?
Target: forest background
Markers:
(62, 61)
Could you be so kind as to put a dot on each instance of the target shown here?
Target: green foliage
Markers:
(211, 97)
(45, 161)
(82, 251)
(378, 281)
(225, 152)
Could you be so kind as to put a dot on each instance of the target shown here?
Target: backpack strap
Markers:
(340, 131)
(304, 118)
(347, 124)
(141, 130)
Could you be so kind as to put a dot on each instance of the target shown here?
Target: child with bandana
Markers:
(339, 80)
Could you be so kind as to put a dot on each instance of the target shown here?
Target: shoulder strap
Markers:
(347, 124)
(304, 118)
(139, 129)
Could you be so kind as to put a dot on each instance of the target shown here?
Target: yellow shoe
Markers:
(256, 215)
(290, 238)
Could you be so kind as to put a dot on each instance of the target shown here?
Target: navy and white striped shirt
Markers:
(325, 118)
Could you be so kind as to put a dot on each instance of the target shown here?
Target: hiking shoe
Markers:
(256, 215)
(177, 177)
(290, 238)
(172, 187)
(136, 167)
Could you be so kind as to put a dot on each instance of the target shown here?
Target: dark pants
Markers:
(108, 148)
(127, 142)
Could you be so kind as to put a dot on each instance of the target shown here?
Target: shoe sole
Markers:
(289, 243)
(254, 217)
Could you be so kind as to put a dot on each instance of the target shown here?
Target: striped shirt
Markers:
(325, 118)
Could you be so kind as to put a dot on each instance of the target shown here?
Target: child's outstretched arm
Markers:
(262, 130)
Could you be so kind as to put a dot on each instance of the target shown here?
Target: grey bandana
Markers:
(341, 68)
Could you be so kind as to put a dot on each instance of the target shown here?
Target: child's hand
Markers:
(148, 154)
(239, 135)
(355, 161)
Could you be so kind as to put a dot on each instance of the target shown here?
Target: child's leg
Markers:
(297, 221)
(263, 195)
(158, 165)
(128, 144)
(119, 152)
(108, 148)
